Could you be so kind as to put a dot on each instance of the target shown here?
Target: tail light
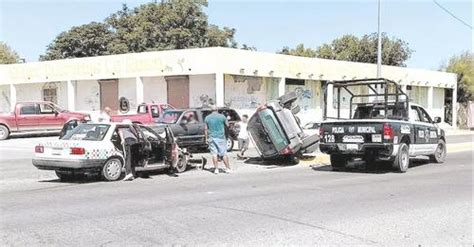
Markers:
(387, 131)
(39, 149)
(77, 151)
(321, 131)
(286, 151)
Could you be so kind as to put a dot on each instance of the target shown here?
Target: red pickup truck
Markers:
(36, 116)
(146, 114)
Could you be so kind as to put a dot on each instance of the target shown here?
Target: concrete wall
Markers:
(87, 95)
(154, 89)
(126, 88)
(201, 88)
(5, 98)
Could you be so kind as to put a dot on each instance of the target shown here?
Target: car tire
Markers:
(338, 161)
(112, 169)
(402, 159)
(440, 154)
(4, 132)
(181, 165)
(294, 160)
(230, 144)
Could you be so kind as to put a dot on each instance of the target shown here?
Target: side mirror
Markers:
(437, 120)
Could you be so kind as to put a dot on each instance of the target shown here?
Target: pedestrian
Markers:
(128, 140)
(243, 137)
(104, 116)
(216, 124)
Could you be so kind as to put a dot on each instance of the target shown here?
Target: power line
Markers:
(453, 15)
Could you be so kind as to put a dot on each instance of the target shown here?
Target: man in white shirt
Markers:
(243, 137)
(104, 116)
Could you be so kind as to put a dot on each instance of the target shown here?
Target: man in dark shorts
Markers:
(215, 137)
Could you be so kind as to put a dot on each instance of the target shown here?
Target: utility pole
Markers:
(379, 46)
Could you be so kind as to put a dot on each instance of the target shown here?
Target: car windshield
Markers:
(57, 108)
(170, 117)
(88, 132)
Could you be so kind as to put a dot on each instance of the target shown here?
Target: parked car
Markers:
(392, 129)
(36, 117)
(276, 131)
(96, 148)
(146, 114)
(191, 133)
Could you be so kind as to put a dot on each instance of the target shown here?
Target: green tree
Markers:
(300, 50)
(7, 55)
(463, 66)
(88, 40)
(169, 24)
(351, 48)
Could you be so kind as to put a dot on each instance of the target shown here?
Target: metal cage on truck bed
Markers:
(340, 85)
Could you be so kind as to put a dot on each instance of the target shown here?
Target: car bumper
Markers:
(383, 149)
(54, 164)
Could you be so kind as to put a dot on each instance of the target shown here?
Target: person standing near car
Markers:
(215, 137)
(243, 137)
(104, 116)
(128, 139)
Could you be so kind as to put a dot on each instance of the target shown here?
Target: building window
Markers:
(50, 93)
(419, 95)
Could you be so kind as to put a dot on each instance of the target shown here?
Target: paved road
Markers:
(257, 205)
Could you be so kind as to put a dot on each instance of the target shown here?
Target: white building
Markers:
(188, 78)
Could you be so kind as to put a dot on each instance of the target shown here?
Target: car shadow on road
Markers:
(377, 168)
(268, 164)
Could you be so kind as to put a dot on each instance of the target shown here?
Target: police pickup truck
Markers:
(384, 126)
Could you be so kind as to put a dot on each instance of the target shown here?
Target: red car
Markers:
(36, 116)
(146, 114)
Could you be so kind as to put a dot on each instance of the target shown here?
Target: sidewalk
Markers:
(457, 132)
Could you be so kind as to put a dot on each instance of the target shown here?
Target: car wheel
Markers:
(182, 164)
(230, 144)
(402, 160)
(112, 169)
(440, 154)
(338, 161)
(4, 132)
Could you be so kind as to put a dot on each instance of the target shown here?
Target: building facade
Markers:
(236, 78)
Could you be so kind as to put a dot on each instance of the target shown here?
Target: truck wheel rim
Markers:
(440, 151)
(113, 169)
(404, 159)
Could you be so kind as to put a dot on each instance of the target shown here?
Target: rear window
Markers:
(378, 112)
(170, 117)
(88, 132)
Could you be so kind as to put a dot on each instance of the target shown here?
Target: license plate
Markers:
(56, 151)
(352, 146)
(376, 138)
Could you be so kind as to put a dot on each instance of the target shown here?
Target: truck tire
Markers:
(4, 132)
(402, 160)
(112, 169)
(440, 154)
(338, 161)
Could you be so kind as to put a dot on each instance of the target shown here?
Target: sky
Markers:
(29, 26)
